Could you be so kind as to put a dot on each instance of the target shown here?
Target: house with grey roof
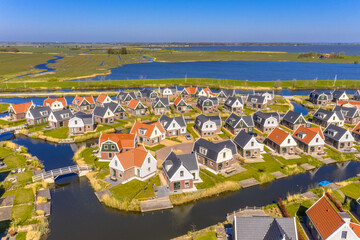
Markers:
(181, 171)
(60, 118)
(81, 123)
(320, 98)
(37, 115)
(207, 105)
(357, 95)
(236, 123)
(293, 120)
(146, 95)
(168, 92)
(124, 98)
(339, 95)
(256, 102)
(264, 228)
(247, 145)
(207, 126)
(224, 94)
(108, 112)
(175, 126)
(324, 118)
(215, 156)
(160, 105)
(338, 137)
(269, 95)
(351, 114)
(266, 121)
(234, 104)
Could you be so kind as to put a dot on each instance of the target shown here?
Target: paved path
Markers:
(156, 204)
(249, 183)
(182, 148)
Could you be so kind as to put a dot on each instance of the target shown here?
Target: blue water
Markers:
(347, 49)
(101, 63)
(6, 136)
(236, 70)
(299, 108)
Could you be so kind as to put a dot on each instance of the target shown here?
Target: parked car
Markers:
(188, 137)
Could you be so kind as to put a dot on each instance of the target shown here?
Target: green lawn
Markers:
(15, 161)
(4, 106)
(298, 208)
(156, 147)
(60, 133)
(12, 123)
(269, 165)
(128, 190)
(352, 190)
(207, 236)
(207, 181)
(148, 191)
(25, 177)
(5, 152)
(22, 213)
(21, 236)
(189, 128)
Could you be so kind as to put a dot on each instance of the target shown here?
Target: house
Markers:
(224, 94)
(148, 134)
(81, 123)
(84, 104)
(55, 103)
(146, 95)
(356, 132)
(237, 123)
(320, 98)
(189, 92)
(268, 95)
(310, 140)
(124, 98)
(234, 104)
(256, 102)
(266, 122)
(215, 156)
(338, 137)
(181, 106)
(167, 92)
(160, 105)
(281, 141)
(103, 115)
(207, 126)
(324, 118)
(206, 92)
(173, 126)
(136, 108)
(357, 95)
(60, 118)
(37, 115)
(339, 95)
(208, 105)
(112, 143)
(101, 99)
(324, 222)
(181, 171)
(247, 145)
(116, 109)
(264, 228)
(18, 111)
(293, 120)
(351, 114)
(137, 163)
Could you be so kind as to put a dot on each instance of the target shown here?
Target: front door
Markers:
(177, 186)
(61, 124)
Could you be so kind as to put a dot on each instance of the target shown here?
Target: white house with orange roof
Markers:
(148, 134)
(55, 104)
(102, 99)
(356, 132)
(181, 106)
(112, 143)
(137, 108)
(18, 111)
(189, 92)
(324, 222)
(206, 92)
(136, 163)
(84, 104)
(310, 140)
(281, 141)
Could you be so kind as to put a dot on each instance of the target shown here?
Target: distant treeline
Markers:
(321, 55)
(9, 49)
(122, 50)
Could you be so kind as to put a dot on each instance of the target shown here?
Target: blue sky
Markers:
(180, 21)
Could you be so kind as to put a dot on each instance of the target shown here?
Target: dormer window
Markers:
(112, 147)
(203, 150)
(106, 147)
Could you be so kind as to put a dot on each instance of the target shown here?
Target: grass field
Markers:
(60, 133)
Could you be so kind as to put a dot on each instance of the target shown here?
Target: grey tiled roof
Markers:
(213, 149)
(60, 115)
(175, 161)
(347, 111)
(261, 93)
(201, 100)
(122, 95)
(242, 139)
(264, 228)
(113, 106)
(234, 119)
(201, 119)
(337, 93)
(228, 92)
(40, 111)
(291, 116)
(172, 89)
(255, 99)
(315, 94)
(145, 93)
(87, 118)
(337, 131)
(325, 115)
(260, 117)
(165, 101)
(231, 100)
(166, 121)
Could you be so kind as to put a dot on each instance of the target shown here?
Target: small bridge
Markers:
(12, 129)
(55, 173)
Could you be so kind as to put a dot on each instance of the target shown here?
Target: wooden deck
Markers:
(156, 204)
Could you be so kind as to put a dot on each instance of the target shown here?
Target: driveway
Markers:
(182, 148)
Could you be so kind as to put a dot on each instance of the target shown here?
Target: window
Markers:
(112, 147)
(110, 155)
(115, 163)
(288, 140)
(148, 160)
(343, 234)
(317, 139)
(149, 169)
(120, 174)
(187, 184)
(105, 146)
(181, 173)
(346, 136)
(227, 163)
(173, 125)
(75, 122)
(252, 144)
(203, 150)
(224, 155)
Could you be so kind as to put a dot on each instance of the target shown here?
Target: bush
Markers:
(336, 203)
(283, 208)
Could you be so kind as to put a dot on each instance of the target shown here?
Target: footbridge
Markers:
(55, 173)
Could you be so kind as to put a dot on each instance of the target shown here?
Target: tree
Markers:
(123, 50)
(294, 82)
(277, 83)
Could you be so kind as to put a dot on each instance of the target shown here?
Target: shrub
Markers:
(283, 208)
(336, 203)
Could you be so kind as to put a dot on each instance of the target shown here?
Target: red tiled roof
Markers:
(149, 128)
(310, 133)
(177, 100)
(352, 103)
(101, 98)
(90, 100)
(122, 140)
(208, 92)
(133, 157)
(325, 218)
(355, 228)
(52, 100)
(191, 90)
(133, 103)
(278, 136)
(357, 128)
(21, 107)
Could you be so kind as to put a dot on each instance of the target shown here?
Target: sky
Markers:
(180, 21)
